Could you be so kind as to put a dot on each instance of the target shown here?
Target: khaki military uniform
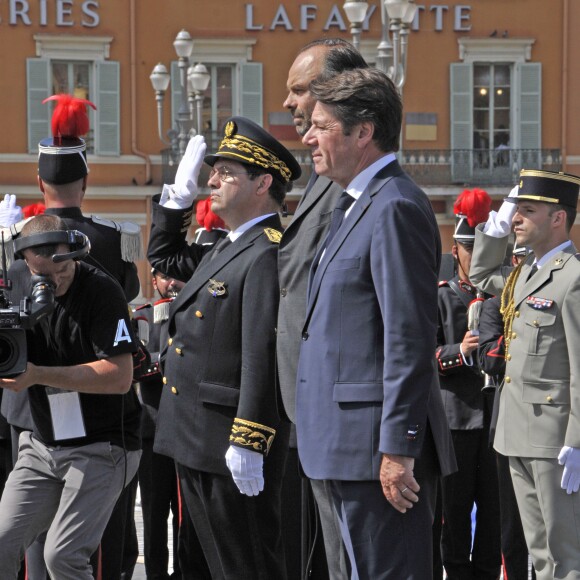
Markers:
(539, 410)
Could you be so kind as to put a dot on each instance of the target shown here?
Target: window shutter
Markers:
(107, 130)
(38, 89)
(529, 105)
(461, 78)
(251, 91)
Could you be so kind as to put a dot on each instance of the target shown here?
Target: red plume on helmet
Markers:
(206, 218)
(70, 119)
(33, 209)
(474, 204)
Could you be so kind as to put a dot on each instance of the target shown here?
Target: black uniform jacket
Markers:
(460, 384)
(491, 351)
(219, 360)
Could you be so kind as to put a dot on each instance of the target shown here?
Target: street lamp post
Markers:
(396, 19)
(194, 80)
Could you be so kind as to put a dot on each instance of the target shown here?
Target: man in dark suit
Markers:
(369, 415)
(300, 242)
(218, 415)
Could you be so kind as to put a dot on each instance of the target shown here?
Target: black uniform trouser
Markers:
(474, 482)
(158, 486)
(241, 535)
(513, 541)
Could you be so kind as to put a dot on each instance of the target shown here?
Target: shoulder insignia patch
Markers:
(273, 235)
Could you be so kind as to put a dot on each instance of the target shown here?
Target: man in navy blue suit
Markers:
(369, 414)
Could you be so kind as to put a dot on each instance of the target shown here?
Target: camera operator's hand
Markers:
(181, 194)
(10, 213)
(23, 381)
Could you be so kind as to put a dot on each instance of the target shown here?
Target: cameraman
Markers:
(85, 443)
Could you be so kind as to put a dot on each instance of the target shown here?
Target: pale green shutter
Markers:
(251, 91)
(461, 77)
(38, 89)
(528, 104)
(107, 130)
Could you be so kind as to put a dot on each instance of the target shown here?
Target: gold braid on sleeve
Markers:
(507, 305)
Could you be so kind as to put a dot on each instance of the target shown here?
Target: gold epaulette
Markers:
(273, 235)
(252, 435)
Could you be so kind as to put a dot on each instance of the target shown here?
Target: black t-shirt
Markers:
(90, 322)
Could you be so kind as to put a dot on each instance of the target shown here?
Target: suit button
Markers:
(549, 399)
(199, 314)
(169, 341)
(304, 336)
(174, 390)
(508, 380)
(508, 357)
(536, 323)
(514, 335)
(164, 380)
(178, 351)
(283, 292)
(517, 313)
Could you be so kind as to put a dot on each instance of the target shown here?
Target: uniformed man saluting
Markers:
(218, 416)
(538, 424)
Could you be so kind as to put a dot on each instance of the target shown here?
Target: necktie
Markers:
(220, 245)
(344, 202)
(533, 270)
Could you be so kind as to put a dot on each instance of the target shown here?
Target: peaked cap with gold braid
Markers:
(548, 187)
(246, 142)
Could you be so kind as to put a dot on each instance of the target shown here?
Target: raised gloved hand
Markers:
(499, 223)
(181, 194)
(247, 469)
(569, 457)
(10, 213)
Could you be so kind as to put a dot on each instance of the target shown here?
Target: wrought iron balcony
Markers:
(431, 167)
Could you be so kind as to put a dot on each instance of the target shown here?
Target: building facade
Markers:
(490, 88)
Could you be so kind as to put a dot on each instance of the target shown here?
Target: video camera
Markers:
(15, 320)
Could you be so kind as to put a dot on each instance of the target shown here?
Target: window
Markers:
(74, 78)
(491, 114)
(495, 100)
(77, 65)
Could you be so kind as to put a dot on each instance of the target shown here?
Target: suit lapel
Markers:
(311, 197)
(208, 268)
(359, 208)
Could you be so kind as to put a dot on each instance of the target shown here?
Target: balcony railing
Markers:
(433, 167)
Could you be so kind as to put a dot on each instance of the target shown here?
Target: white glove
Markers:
(181, 194)
(499, 223)
(10, 213)
(247, 469)
(569, 457)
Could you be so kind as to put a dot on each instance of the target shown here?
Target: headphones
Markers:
(78, 242)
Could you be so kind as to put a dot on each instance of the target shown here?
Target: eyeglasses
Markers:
(225, 175)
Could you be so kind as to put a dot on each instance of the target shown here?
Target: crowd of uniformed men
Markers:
(319, 401)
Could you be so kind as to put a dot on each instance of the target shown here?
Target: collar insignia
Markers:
(273, 235)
